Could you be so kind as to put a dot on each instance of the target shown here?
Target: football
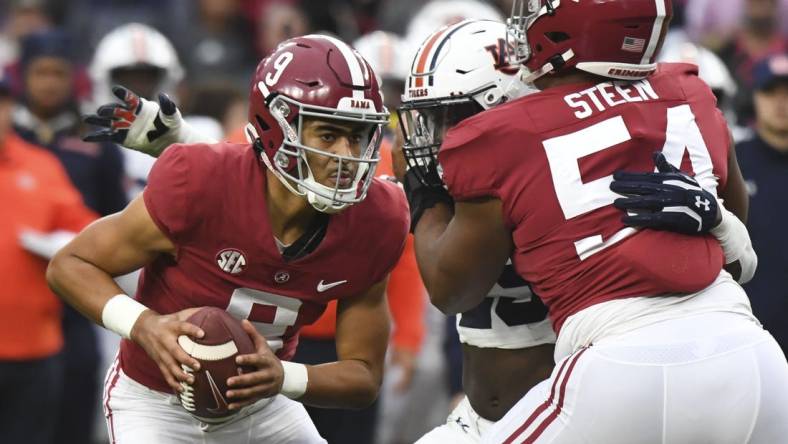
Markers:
(216, 351)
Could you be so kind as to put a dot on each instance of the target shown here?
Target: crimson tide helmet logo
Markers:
(231, 261)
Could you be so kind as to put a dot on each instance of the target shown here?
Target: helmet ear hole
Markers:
(263, 125)
(556, 36)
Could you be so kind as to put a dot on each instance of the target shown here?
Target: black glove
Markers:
(421, 197)
(665, 200)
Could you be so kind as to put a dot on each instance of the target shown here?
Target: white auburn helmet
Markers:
(459, 70)
(386, 53)
(128, 46)
(438, 13)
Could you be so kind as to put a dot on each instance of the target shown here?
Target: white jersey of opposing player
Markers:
(510, 317)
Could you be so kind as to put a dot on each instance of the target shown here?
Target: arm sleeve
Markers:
(407, 300)
(170, 196)
(473, 158)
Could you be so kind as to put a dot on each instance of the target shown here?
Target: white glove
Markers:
(142, 125)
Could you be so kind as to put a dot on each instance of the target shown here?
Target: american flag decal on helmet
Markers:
(633, 44)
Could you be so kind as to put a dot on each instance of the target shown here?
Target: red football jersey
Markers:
(210, 201)
(550, 157)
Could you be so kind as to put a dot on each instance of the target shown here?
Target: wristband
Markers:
(120, 313)
(422, 197)
(296, 377)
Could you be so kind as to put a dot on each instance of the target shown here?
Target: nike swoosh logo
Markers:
(221, 404)
(321, 287)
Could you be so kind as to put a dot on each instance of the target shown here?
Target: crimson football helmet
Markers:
(320, 77)
(612, 38)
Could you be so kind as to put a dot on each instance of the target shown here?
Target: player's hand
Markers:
(665, 200)
(137, 123)
(406, 360)
(158, 336)
(264, 382)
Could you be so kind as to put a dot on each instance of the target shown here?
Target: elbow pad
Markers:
(735, 241)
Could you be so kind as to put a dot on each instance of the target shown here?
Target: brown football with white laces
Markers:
(224, 339)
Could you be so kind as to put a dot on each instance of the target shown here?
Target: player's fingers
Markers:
(662, 163)
(166, 105)
(120, 92)
(643, 221)
(131, 100)
(167, 351)
(627, 176)
(94, 119)
(259, 341)
(241, 404)
(182, 357)
(639, 203)
(124, 114)
(257, 391)
(105, 136)
(189, 329)
(263, 376)
(108, 111)
(177, 371)
(626, 187)
(171, 381)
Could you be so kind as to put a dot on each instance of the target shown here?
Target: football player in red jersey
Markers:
(269, 231)
(650, 328)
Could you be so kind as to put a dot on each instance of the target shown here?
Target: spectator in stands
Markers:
(38, 195)
(711, 25)
(758, 37)
(278, 22)
(48, 117)
(217, 45)
(19, 18)
(764, 165)
(221, 102)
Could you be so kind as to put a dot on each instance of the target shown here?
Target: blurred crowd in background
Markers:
(59, 59)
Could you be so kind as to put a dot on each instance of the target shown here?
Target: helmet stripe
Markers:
(353, 63)
(434, 60)
(424, 54)
(139, 45)
(656, 32)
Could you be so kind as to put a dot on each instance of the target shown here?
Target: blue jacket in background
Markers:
(765, 172)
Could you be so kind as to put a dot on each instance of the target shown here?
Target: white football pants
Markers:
(463, 426)
(136, 414)
(713, 378)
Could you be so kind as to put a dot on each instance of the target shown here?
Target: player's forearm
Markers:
(81, 284)
(740, 258)
(448, 293)
(345, 384)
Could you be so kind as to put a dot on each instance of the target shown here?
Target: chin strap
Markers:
(556, 62)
